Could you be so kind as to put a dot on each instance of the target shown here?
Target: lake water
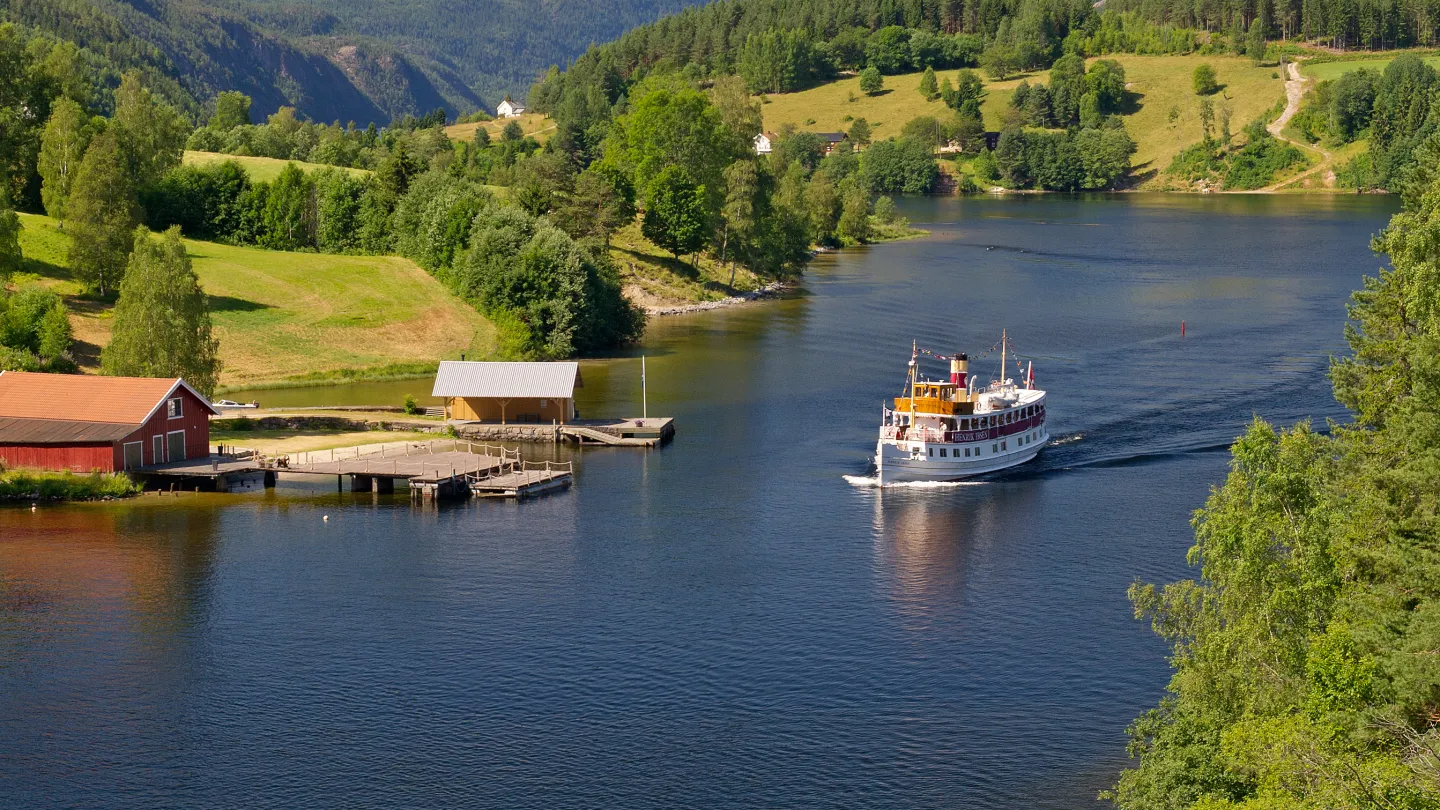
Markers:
(728, 621)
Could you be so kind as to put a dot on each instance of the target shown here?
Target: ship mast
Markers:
(914, 354)
(1004, 338)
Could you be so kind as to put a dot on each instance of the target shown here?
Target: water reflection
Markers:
(153, 564)
(928, 541)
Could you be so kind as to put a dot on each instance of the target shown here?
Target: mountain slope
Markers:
(201, 51)
(493, 46)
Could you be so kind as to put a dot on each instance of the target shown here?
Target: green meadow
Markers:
(292, 316)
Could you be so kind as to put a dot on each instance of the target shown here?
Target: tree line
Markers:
(1305, 650)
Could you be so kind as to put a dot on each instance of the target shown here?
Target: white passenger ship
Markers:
(949, 430)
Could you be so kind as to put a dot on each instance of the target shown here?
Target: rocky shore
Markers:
(771, 290)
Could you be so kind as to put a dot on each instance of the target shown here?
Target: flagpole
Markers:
(644, 398)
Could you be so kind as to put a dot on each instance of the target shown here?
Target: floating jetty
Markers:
(523, 480)
(431, 470)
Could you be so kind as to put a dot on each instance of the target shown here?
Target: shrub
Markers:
(1202, 80)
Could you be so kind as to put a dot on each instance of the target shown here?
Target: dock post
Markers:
(269, 481)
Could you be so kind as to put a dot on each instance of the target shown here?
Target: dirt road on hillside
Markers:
(1294, 92)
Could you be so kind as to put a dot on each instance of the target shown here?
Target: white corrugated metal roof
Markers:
(506, 380)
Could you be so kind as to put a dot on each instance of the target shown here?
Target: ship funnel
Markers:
(959, 370)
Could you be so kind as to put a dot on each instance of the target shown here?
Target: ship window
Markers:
(1003, 447)
(932, 451)
(967, 452)
(994, 448)
(942, 452)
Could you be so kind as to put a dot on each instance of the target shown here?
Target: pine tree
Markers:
(103, 214)
(61, 149)
(162, 320)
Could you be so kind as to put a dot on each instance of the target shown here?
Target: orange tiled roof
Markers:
(81, 397)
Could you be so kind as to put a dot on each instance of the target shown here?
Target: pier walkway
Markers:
(432, 469)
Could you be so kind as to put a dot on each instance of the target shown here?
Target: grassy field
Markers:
(536, 125)
(260, 169)
(1333, 70)
(1158, 83)
(652, 277)
(273, 442)
(285, 316)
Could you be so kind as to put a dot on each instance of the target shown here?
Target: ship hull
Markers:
(895, 465)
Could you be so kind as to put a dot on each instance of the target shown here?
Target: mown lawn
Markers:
(260, 169)
(1157, 83)
(1334, 70)
(285, 315)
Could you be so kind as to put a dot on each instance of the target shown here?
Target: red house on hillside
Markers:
(83, 423)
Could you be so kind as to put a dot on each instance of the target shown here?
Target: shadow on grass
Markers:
(679, 268)
(1140, 175)
(47, 270)
(226, 303)
(1131, 102)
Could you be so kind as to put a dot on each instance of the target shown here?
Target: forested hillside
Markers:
(1305, 652)
(783, 44)
(190, 52)
(493, 46)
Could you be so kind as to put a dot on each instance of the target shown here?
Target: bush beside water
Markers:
(64, 486)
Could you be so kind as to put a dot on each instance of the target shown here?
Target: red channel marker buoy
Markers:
(1182, 329)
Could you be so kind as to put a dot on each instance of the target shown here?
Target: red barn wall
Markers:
(81, 458)
(195, 421)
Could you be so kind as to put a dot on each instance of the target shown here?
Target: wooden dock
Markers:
(621, 432)
(430, 470)
(523, 480)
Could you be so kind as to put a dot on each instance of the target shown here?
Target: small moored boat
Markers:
(946, 430)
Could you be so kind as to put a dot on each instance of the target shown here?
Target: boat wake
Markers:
(1074, 437)
(873, 482)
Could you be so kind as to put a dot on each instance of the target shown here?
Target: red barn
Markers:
(83, 423)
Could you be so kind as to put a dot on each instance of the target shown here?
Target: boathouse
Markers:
(84, 423)
(508, 392)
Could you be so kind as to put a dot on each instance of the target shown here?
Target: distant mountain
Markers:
(195, 50)
(491, 46)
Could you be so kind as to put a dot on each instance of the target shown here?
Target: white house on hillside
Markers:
(764, 143)
(509, 109)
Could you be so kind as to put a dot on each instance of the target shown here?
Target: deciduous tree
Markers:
(1202, 80)
(676, 212)
(232, 109)
(62, 147)
(162, 320)
(150, 132)
(11, 259)
(103, 214)
(929, 87)
(871, 82)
